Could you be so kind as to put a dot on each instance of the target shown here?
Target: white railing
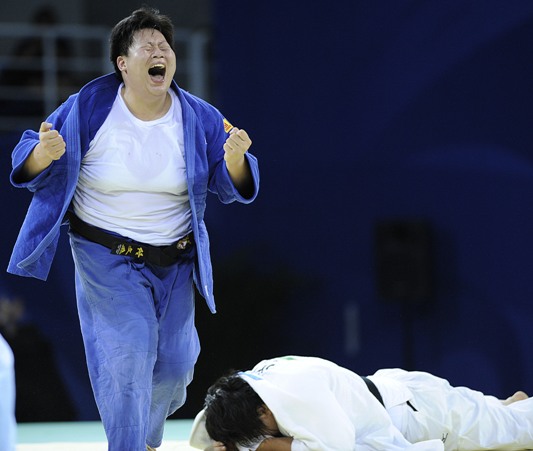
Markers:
(55, 75)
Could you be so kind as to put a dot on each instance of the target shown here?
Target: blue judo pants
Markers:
(141, 344)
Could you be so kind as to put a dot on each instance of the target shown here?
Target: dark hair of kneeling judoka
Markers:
(232, 411)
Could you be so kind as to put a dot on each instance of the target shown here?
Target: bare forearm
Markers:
(241, 176)
(276, 444)
(36, 163)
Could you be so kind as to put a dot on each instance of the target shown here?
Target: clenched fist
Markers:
(236, 146)
(50, 147)
(51, 143)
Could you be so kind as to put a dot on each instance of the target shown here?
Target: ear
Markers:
(264, 411)
(121, 63)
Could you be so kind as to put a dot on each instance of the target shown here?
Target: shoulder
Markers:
(201, 107)
(96, 99)
(101, 89)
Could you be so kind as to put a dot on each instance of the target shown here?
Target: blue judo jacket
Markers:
(78, 120)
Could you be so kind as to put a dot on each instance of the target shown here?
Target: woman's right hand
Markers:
(51, 145)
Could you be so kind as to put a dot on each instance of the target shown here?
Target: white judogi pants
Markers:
(464, 419)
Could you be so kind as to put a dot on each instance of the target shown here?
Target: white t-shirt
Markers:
(133, 180)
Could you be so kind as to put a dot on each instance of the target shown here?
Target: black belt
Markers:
(373, 389)
(157, 255)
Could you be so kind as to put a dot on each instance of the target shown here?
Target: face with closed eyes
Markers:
(149, 66)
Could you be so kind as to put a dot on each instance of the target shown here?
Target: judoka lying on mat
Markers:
(306, 403)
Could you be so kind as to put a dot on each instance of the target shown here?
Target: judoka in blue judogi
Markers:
(127, 162)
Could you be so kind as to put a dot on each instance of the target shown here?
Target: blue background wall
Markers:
(365, 111)
(359, 112)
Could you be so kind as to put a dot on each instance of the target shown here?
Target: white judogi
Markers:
(463, 418)
(8, 427)
(329, 408)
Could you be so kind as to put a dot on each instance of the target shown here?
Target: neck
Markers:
(144, 110)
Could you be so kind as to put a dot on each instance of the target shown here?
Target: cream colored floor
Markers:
(76, 446)
(89, 436)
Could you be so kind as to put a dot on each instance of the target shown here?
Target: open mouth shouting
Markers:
(157, 72)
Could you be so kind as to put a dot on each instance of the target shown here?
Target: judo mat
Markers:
(90, 436)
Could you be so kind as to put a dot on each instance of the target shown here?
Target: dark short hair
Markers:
(232, 410)
(123, 32)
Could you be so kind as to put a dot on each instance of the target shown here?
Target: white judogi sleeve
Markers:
(7, 399)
